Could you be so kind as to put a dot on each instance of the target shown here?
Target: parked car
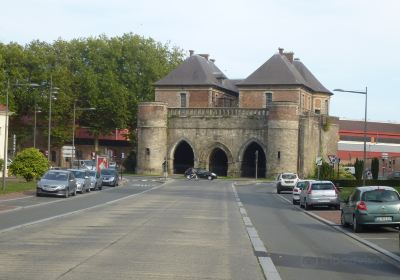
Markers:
(286, 182)
(202, 173)
(57, 182)
(319, 193)
(95, 180)
(84, 164)
(394, 176)
(112, 164)
(300, 185)
(109, 177)
(371, 206)
(82, 180)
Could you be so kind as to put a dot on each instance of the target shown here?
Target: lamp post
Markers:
(52, 90)
(73, 128)
(37, 110)
(365, 124)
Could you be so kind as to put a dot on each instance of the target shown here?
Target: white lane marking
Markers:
(270, 271)
(247, 221)
(77, 211)
(252, 232)
(267, 266)
(258, 244)
(12, 199)
(243, 211)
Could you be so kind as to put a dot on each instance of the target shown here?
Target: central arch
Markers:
(249, 161)
(183, 157)
(218, 162)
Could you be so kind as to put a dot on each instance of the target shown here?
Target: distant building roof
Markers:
(310, 79)
(197, 70)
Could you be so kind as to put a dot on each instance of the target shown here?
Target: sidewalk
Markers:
(330, 215)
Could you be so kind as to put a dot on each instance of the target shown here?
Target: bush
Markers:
(29, 164)
(375, 168)
(1, 164)
(359, 169)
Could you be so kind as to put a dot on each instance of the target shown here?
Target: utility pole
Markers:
(256, 163)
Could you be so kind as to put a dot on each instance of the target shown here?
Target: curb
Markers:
(351, 235)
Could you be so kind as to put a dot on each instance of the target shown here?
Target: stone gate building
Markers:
(276, 120)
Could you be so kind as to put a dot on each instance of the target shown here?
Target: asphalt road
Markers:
(179, 230)
(303, 248)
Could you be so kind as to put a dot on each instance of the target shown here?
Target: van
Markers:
(84, 164)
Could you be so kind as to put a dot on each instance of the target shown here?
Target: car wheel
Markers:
(209, 177)
(88, 189)
(100, 188)
(343, 220)
(337, 207)
(301, 204)
(38, 194)
(307, 206)
(294, 202)
(74, 193)
(356, 226)
(66, 193)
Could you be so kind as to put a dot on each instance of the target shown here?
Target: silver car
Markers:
(301, 184)
(57, 182)
(95, 180)
(82, 180)
(319, 193)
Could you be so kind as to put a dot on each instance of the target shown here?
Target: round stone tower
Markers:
(151, 137)
(283, 138)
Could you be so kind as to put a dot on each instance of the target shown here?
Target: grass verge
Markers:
(17, 186)
(345, 192)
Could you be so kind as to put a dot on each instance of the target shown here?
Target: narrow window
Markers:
(326, 107)
(268, 98)
(279, 154)
(183, 100)
(147, 151)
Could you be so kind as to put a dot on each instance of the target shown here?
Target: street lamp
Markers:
(73, 128)
(365, 125)
(37, 110)
(51, 92)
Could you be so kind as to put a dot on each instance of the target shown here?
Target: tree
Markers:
(29, 164)
(375, 168)
(325, 171)
(359, 168)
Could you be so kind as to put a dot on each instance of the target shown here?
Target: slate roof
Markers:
(197, 71)
(278, 70)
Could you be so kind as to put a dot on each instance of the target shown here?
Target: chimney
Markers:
(280, 51)
(206, 56)
(212, 60)
(289, 56)
(191, 52)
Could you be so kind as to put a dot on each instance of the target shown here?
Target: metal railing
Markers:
(217, 112)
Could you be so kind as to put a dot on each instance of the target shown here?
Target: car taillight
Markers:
(362, 206)
(309, 190)
(336, 191)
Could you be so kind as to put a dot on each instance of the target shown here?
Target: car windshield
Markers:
(88, 162)
(79, 174)
(289, 176)
(322, 186)
(107, 172)
(92, 173)
(58, 176)
(380, 195)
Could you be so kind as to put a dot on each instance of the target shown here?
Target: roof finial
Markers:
(191, 52)
(280, 50)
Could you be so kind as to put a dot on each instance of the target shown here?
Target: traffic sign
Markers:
(332, 159)
(318, 161)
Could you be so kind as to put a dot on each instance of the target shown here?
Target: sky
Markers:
(347, 44)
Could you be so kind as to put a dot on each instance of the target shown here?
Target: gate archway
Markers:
(218, 162)
(183, 157)
(249, 161)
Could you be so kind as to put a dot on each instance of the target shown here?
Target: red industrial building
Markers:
(382, 142)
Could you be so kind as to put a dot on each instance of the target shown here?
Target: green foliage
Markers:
(29, 164)
(1, 164)
(359, 168)
(375, 168)
(110, 74)
(130, 162)
(326, 171)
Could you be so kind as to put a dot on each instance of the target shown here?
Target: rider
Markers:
(193, 173)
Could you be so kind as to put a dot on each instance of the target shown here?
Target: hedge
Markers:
(355, 183)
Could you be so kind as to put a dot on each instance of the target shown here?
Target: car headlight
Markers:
(112, 178)
(78, 184)
(61, 187)
(213, 174)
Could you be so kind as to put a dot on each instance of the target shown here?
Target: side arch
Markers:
(253, 149)
(218, 159)
(181, 156)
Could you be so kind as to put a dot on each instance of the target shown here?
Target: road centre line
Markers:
(267, 266)
(77, 211)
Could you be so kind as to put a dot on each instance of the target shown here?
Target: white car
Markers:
(319, 193)
(301, 185)
(286, 182)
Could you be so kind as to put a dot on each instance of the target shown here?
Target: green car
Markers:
(371, 206)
